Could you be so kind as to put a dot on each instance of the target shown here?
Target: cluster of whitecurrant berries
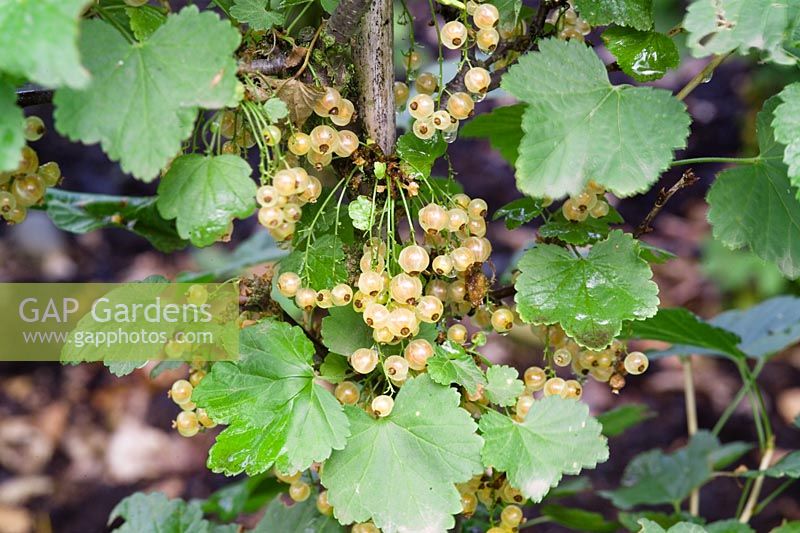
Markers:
(459, 105)
(282, 202)
(483, 490)
(590, 202)
(26, 185)
(190, 420)
(569, 24)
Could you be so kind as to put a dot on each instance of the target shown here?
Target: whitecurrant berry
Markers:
(342, 294)
(477, 79)
(289, 283)
(413, 259)
(421, 106)
(460, 105)
(430, 309)
(636, 363)
(364, 360)
(487, 39)
(299, 491)
(181, 392)
(299, 143)
(187, 424)
(502, 319)
(306, 298)
(382, 406)
(346, 392)
(426, 83)
(457, 333)
(554, 387)
(433, 218)
(376, 315)
(454, 34)
(535, 378)
(396, 368)
(417, 354)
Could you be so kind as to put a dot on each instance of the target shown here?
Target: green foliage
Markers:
(575, 115)
(578, 519)
(654, 477)
(649, 526)
(680, 326)
(322, 263)
(451, 364)
(635, 13)
(260, 15)
(82, 213)
(722, 26)
(417, 156)
(221, 265)
(589, 296)
(11, 124)
(276, 109)
(588, 231)
(155, 512)
(519, 212)
(558, 437)
(764, 329)
(144, 20)
(177, 70)
(733, 270)
(344, 331)
(503, 387)
(277, 413)
(301, 517)
(424, 446)
(502, 126)
(39, 42)
(788, 466)
(642, 55)
(204, 194)
(786, 123)
(509, 10)
(621, 418)
(362, 212)
(755, 206)
(245, 496)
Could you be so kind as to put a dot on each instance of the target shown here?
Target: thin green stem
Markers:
(700, 160)
(691, 422)
(752, 500)
(298, 17)
(772, 495)
(702, 76)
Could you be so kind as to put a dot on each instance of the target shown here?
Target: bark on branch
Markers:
(373, 58)
(344, 20)
(30, 96)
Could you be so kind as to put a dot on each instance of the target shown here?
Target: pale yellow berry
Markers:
(382, 406)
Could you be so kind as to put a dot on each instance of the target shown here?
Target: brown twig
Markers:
(503, 292)
(688, 179)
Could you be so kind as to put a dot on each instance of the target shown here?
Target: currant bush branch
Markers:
(688, 179)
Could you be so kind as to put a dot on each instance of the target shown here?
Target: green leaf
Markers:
(502, 386)
(788, 466)
(81, 213)
(334, 368)
(423, 447)
(728, 526)
(451, 364)
(519, 212)
(617, 420)
(635, 13)
(12, 122)
(321, 218)
(344, 331)
(277, 413)
(680, 326)
(322, 264)
(654, 254)
(589, 231)
(654, 478)
(165, 366)
(649, 526)
(631, 520)
(588, 296)
(300, 517)
(578, 519)
(642, 55)
(502, 126)
(578, 127)
(509, 10)
(205, 194)
(39, 41)
(329, 5)
(557, 437)
(257, 249)
(361, 211)
(788, 527)
(249, 495)
(722, 26)
(161, 81)
(417, 155)
(276, 109)
(764, 329)
(145, 20)
(786, 123)
(155, 512)
(258, 14)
